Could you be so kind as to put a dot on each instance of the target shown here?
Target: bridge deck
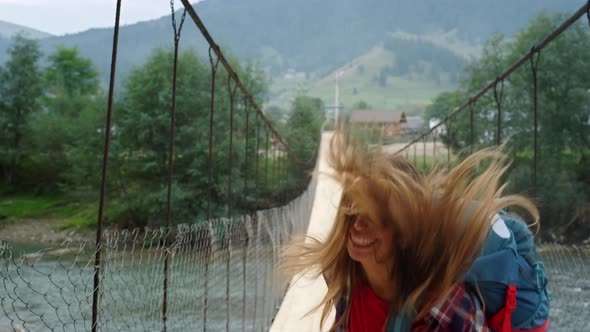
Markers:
(307, 292)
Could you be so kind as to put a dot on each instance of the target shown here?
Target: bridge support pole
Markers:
(105, 162)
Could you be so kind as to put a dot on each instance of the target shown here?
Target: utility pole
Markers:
(337, 99)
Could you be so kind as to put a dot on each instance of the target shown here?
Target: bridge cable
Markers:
(232, 94)
(449, 142)
(534, 60)
(177, 34)
(498, 98)
(214, 65)
(105, 160)
(256, 220)
(471, 129)
(245, 198)
(424, 153)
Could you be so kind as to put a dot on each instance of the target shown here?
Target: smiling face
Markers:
(369, 243)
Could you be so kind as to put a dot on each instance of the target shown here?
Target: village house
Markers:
(387, 122)
(414, 125)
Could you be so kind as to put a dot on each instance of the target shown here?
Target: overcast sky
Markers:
(59, 17)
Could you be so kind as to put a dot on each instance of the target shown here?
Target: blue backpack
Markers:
(510, 279)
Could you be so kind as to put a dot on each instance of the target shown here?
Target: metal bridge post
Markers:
(498, 98)
(534, 65)
(471, 133)
(424, 153)
(170, 163)
(449, 142)
(105, 161)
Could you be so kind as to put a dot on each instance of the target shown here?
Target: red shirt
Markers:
(367, 312)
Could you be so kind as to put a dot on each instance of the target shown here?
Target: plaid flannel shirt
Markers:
(461, 311)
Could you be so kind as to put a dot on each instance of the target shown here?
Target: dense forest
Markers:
(563, 171)
(422, 58)
(52, 133)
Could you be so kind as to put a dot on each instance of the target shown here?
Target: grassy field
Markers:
(358, 82)
(65, 212)
(282, 91)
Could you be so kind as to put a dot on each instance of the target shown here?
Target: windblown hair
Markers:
(439, 222)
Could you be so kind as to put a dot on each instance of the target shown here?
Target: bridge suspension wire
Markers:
(534, 59)
(448, 124)
(471, 103)
(498, 99)
(105, 163)
(177, 35)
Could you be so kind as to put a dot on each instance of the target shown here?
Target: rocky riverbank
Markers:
(37, 233)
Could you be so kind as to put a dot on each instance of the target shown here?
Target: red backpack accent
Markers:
(501, 321)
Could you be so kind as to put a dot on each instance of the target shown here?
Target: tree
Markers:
(303, 137)
(71, 90)
(276, 116)
(20, 90)
(564, 135)
(70, 80)
(143, 129)
(361, 105)
(70, 73)
(442, 106)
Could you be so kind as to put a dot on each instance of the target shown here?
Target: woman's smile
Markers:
(367, 240)
(362, 242)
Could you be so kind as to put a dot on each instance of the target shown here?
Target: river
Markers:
(56, 293)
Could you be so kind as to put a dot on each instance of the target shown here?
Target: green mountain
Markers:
(311, 36)
(403, 71)
(7, 30)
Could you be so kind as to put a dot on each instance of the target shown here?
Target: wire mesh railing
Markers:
(568, 268)
(523, 117)
(219, 273)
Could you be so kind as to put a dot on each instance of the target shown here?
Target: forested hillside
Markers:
(401, 72)
(8, 30)
(309, 35)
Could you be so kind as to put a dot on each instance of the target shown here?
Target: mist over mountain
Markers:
(309, 35)
(8, 30)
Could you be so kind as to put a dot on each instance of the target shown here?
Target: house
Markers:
(413, 125)
(294, 74)
(387, 122)
(438, 131)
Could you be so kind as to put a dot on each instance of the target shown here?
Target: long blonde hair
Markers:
(439, 221)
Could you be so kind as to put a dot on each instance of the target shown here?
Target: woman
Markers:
(402, 242)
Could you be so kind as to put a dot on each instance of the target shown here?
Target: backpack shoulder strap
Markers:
(500, 251)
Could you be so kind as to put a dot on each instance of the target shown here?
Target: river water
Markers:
(56, 294)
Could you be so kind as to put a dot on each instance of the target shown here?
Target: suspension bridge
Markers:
(217, 274)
